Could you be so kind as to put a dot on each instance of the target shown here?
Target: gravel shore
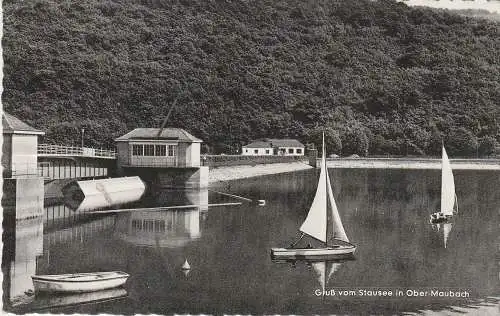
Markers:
(413, 163)
(245, 171)
(241, 172)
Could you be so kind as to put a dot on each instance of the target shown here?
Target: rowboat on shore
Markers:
(79, 282)
(65, 300)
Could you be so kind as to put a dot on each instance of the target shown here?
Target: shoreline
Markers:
(228, 173)
(221, 174)
(413, 163)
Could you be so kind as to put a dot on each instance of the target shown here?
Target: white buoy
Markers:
(186, 266)
(262, 202)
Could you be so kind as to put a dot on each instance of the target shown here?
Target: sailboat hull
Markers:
(336, 252)
(439, 217)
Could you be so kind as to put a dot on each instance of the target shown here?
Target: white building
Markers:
(270, 147)
(152, 147)
(19, 148)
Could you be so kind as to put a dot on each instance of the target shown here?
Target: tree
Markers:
(435, 142)
(355, 141)
(461, 142)
(487, 146)
(333, 142)
(287, 67)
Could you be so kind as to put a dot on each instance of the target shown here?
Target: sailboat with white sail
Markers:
(449, 203)
(317, 226)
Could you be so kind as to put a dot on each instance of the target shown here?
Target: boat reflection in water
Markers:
(446, 228)
(166, 228)
(325, 270)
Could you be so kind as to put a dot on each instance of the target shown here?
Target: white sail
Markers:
(338, 230)
(447, 186)
(316, 221)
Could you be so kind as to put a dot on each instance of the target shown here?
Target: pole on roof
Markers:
(164, 123)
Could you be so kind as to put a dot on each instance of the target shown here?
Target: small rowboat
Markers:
(52, 301)
(79, 282)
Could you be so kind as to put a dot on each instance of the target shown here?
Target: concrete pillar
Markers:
(29, 246)
(174, 178)
(23, 197)
(199, 179)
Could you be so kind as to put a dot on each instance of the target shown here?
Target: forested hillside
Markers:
(379, 76)
(478, 13)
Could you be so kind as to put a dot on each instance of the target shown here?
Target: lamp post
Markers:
(83, 132)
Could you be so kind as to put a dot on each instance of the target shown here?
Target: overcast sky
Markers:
(492, 5)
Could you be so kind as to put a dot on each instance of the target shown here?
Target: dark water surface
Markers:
(385, 213)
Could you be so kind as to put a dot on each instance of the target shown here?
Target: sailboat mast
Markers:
(323, 165)
(315, 224)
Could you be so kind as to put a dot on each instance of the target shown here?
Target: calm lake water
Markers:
(385, 213)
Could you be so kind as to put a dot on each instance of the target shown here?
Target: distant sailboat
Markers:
(448, 196)
(316, 225)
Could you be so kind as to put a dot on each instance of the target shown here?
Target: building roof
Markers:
(175, 134)
(13, 125)
(273, 142)
(258, 144)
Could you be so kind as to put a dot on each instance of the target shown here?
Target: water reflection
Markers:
(23, 245)
(446, 230)
(325, 270)
(28, 251)
(170, 228)
(60, 215)
(386, 212)
(178, 197)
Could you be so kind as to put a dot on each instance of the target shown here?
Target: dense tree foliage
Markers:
(381, 77)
